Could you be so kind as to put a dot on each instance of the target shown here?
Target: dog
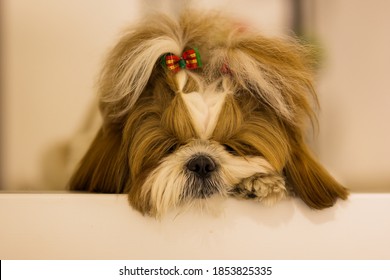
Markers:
(202, 106)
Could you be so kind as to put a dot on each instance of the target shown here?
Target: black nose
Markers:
(201, 165)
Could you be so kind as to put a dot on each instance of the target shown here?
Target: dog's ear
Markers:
(104, 168)
(309, 180)
(277, 71)
(131, 63)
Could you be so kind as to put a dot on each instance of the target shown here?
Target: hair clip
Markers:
(225, 69)
(190, 60)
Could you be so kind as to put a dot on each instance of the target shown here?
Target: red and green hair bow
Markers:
(190, 60)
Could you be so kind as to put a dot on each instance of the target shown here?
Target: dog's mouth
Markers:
(201, 188)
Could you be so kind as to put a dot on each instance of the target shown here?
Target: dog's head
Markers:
(200, 106)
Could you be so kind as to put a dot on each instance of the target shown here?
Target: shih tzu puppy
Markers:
(199, 107)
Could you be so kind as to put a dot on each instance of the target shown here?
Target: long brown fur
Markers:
(145, 119)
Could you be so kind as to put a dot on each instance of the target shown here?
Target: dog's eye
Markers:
(230, 149)
(173, 148)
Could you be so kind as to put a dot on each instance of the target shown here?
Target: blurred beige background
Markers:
(52, 51)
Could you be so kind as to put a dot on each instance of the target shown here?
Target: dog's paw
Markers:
(266, 188)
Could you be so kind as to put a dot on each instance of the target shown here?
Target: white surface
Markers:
(100, 226)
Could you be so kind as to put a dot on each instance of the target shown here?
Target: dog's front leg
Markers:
(267, 188)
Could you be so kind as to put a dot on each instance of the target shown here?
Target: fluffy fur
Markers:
(242, 116)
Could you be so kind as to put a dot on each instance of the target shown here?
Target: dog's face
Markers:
(229, 122)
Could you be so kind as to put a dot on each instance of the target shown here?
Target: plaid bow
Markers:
(190, 59)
